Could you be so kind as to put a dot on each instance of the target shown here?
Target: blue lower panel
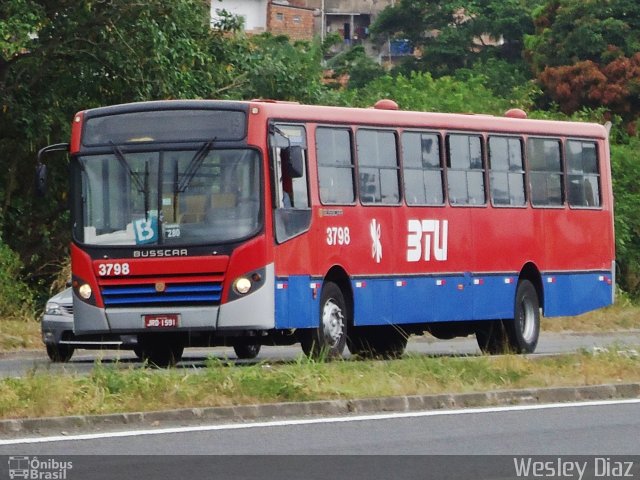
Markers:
(494, 296)
(573, 294)
(429, 299)
(296, 306)
(404, 300)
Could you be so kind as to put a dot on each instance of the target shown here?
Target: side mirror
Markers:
(293, 160)
(41, 168)
(41, 180)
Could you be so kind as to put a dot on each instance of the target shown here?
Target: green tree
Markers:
(587, 54)
(570, 31)
(450, 34)
(421, 92)
(355, 65)
(61, 56)
(277, 69)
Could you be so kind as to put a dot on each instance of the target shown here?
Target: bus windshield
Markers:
(187, 197)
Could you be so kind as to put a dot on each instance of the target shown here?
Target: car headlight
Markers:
(53, 308)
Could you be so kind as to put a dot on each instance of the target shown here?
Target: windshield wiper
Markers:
(142, 187)
(194, 165)
(123, 162)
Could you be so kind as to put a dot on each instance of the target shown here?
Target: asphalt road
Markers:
(21, 363)
(599, 430)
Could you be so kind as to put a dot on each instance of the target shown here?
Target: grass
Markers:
(624, 315)
(21, 334)
(110, 389)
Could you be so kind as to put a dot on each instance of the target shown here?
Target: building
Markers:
(304, 19)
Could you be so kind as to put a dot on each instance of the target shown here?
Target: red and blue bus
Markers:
(206, 222)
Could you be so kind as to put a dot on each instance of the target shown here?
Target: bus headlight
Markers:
(85, 291)
(242, 285)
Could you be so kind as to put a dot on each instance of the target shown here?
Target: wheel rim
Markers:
(527, 320)
(332, 322)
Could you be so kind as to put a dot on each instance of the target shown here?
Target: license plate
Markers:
(167, 320)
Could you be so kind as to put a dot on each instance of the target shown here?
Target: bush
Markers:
(625, 165)
(16, 301)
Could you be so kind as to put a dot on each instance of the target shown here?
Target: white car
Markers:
(59, 339)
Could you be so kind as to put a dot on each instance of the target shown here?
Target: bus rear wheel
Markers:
(329, 339)
(519, 335)
(491, 336)
(524, 330)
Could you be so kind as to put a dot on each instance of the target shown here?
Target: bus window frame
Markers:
(596, 143)
(397, 168)
(560, 140)
(483, 156)
(353, 168)
(527, 197)
(280, 211)
(441, 162)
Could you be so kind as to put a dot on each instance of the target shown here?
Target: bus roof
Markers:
(375, 117)
(429, 120)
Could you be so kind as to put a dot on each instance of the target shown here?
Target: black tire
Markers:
(523, 332)
(519, 335)
(372, 342)
(160, 352)
(60, 353)
(246, 351)
(329, 339)
(138, 352)
(492, 337)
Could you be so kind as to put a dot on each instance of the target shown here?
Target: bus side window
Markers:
(545, 172)
(291, 192)
(506, 171)
(465, 170)
(422, 169)
(378, 166)
(335, 166)
(583, 178)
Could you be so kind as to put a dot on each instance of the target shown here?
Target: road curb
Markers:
(240, 413)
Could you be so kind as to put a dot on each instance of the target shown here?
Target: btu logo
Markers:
(425, 237)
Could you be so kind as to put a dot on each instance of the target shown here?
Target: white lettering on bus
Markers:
(427, 229)
(338, 236)
(108, 269)
(176, 252)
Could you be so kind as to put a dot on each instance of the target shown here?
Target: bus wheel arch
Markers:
(518, 334)
(531, 273)
(335, 317)
(524, 330)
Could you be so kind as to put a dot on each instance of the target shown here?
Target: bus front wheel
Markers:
(329, 339)
(246, 350)
(160, 352)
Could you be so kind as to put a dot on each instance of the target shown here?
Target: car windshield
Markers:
(150, 198)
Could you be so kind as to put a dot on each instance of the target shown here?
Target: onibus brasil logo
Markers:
(38, 469)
